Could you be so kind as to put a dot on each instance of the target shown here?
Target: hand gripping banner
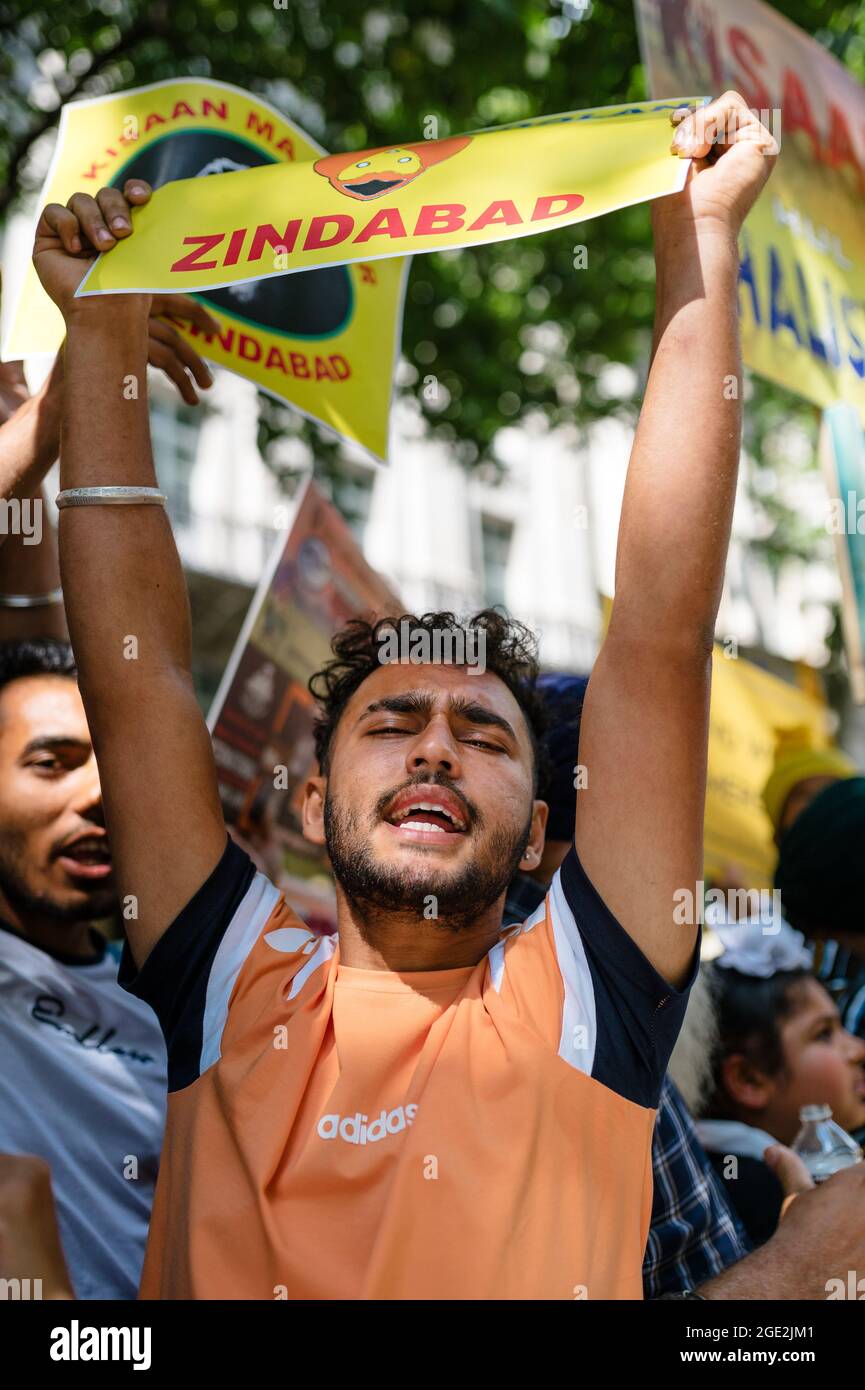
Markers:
(491, 185)
(244, 198)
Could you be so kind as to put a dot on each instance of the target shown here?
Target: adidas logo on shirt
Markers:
(354, 1129)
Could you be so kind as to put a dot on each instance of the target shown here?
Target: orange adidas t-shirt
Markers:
(337, 1133)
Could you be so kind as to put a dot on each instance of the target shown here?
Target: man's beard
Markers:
(459, 900)
(27, 903)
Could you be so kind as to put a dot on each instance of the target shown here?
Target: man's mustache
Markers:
(473, 816)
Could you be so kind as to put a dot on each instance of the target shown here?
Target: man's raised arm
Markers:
(125, 595)
(644, 737)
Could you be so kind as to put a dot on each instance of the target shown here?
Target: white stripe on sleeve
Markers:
(579, 1014)
(243, 931)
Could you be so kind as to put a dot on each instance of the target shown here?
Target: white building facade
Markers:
(540, 540)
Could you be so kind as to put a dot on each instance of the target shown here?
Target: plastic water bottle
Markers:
(823, 1146)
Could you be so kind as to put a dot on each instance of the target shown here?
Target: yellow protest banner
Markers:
(325, 342)
(802, 251)
(427, 195)
(748, 706)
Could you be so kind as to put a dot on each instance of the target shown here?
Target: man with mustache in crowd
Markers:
(83, 1080)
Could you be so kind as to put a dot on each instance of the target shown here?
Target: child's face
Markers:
(824, 1066)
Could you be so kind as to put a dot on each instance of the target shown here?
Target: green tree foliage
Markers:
(503, 328)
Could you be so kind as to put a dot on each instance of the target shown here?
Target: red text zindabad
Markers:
(249, 348)
(216, 249)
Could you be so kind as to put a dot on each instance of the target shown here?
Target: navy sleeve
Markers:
(638, 1013)
(173, 979)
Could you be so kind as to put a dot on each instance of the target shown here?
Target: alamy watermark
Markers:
(846, 516)
(710, 127)
(83, 1343)
(20, 1290)
(852, 1287)
(699, 906)
(23, 519)
(408, 645)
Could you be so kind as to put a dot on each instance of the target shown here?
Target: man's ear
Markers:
(535, 848)
(747, 1086)
(313, 809)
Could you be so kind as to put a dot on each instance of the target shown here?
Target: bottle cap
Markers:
(815, 1112)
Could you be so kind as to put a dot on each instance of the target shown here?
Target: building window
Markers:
(495, 548)
(174, 430)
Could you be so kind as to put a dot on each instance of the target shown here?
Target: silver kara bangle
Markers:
(111, 496)
(31, 600)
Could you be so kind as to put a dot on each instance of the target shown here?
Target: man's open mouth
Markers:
(87, 857)
(427, 809)
(373, 186)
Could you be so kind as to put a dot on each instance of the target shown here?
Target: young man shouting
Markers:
(429, 1108)
(82, 1081)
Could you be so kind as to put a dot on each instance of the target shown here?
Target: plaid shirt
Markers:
(694, 1233)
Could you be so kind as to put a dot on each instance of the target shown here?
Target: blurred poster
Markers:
(262, 715)
(802, 249)
(325, 342)
(842, 454)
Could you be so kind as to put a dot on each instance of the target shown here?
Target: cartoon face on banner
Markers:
(310, 304)
(376, 172)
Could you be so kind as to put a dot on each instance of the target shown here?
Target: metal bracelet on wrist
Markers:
(31, 600)
(110, 496)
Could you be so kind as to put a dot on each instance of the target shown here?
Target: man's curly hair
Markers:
(35, 656)
(511, 654)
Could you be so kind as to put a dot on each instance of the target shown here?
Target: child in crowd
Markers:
(780, 1045)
